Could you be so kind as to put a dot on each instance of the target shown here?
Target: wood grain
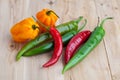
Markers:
(103, 63)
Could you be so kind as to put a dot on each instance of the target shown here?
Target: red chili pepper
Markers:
(57, 47)
(75, 43)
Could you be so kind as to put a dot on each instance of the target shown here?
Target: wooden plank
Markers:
(112, 38)
(90, 65)
(15, 11)
(97, 64)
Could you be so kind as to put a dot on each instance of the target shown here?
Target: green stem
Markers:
(50, 11)
(47, 27)
(34, 27)
(101, 24)
(79, 19)
(82, 26)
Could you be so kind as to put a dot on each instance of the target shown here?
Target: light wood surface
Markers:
(103, 63)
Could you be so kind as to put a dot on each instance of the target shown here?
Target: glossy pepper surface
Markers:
(95, 38)
(75, 43)
(58, 46)
(62, 28)
(49, 45)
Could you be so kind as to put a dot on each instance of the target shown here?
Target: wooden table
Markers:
(103, 63)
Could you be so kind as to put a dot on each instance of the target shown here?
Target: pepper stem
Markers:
(79, 19)
(101, 24)
(47, 27)
(82, 26)
(98, 20)
(50, 11)
(34, 27)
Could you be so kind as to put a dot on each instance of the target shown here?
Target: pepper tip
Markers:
(45, 66)
(63, 71)
(17, 58)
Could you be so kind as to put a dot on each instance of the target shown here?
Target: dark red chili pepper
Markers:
(75, 43)
(57, 47)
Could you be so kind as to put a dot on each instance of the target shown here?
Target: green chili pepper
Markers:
(95, 38)
(49, 46)
(62, 28)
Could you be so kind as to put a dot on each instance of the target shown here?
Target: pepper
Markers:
(49, 45)
(95, 38)
(47, 17)
(57, 47)
(62, 28)
(75, 43)
(25, 30)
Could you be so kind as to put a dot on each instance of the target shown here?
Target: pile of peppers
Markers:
(78, 43)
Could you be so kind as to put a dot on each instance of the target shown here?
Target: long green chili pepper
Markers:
(62, 28)
(95, 38)
(49, 45)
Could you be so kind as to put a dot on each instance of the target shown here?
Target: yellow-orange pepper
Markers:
(25, 30)
(47, 17)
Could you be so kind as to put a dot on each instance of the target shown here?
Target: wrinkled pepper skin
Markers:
(49, 45)
(62, 28)
(25, 30)
(47, 17)
(95, 38)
